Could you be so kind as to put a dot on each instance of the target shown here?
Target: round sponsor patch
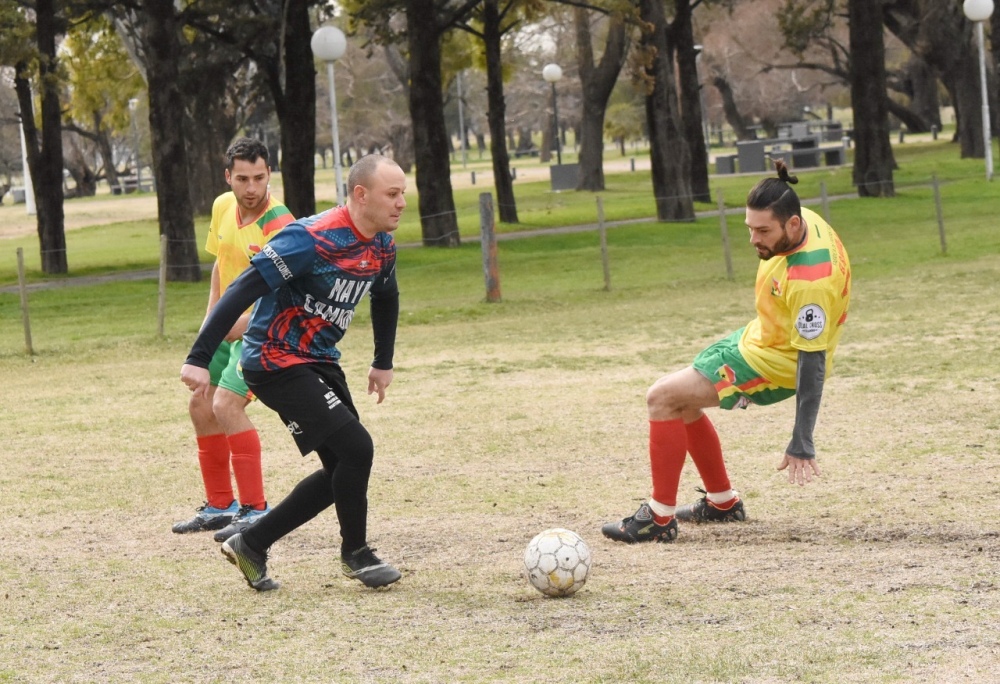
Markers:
(811, 321)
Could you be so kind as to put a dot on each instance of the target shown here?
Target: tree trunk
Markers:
(668, 150)
(922, 84)
(873, 160)
(693, 119)
(295, 105)
(161, 36)
(597, 82)
(939, 33)
(731, 111)
(210, 127)
(45, 154)
(496, 113)
(438, 221)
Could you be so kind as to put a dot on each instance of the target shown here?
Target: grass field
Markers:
(510, 418)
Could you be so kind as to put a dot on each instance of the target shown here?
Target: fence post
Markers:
(488, 243)
(604, 244)
(825, 201)
(161, 313)
(725, 237)
(940, 214)
(23, 287)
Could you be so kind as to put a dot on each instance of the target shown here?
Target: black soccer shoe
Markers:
(640, 527)
(252, 564)
(704, 510)
(364, 566)
(241, 522)
(207, 518)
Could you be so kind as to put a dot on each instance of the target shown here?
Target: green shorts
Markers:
(737, 383)
(225, 370)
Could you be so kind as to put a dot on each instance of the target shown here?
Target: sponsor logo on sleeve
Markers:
(811, 321)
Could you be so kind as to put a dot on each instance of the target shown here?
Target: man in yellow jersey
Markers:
(802, 295)
(243, 221)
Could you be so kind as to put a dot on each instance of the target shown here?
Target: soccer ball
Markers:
(557, 562)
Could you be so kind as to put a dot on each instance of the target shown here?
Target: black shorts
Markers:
(311, 399)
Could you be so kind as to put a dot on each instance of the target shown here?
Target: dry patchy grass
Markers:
(497, 427)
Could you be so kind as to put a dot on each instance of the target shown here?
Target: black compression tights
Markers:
(347, 463)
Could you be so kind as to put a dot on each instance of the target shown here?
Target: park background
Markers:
(509, 417)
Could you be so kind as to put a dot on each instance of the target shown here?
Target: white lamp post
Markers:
(979, 11)
(29, 188)
(552, 73)
(133, 104)
(329, 45)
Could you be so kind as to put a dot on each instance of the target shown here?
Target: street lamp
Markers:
(552, 73)
(979, 11)
(133, 104)
(329, 45)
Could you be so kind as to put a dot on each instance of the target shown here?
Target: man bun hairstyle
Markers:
(247, 149)
(776, 194)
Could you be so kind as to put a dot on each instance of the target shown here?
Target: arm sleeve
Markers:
(385, 315)
(241, 294)
(809, 376)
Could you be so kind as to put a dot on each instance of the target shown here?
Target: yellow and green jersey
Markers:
(802, 299)
(232, 244)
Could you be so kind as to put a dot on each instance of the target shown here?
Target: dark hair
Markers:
(776, 194)
(362, 170)
(246, 149)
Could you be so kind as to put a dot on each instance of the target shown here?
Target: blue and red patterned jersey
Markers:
(318, 269)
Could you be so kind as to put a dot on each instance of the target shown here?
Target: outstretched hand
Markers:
(800, 470)
(378, 381)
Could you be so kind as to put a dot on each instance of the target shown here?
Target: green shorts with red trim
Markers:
(737, 383)
(224, 371)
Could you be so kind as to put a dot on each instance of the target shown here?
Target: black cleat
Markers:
(241, 521)
(640, 527)
(704, 510)
(207, 518)
(369, 569)
(252, 564)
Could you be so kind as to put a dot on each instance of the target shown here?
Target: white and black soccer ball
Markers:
(557, 562)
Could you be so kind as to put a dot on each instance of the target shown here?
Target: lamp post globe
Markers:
(552, 73)
(978, 10)
(329, 44)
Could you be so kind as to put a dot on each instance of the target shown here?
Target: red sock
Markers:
(667, 451)
(213, 456)
(706, 452)
(246, 467)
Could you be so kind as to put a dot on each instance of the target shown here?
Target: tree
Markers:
(873, 160)
(159, 30)
(668, 151)
(274, 36)
(44, 147)
(496, 21)
(597, 81)
(426, 23)
(938, 32)
(692, 118)
(101, 81)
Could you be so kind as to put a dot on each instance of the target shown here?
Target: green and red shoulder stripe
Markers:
(274, 219)
(811, 265)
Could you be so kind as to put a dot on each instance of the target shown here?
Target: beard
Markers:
(783, 245)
